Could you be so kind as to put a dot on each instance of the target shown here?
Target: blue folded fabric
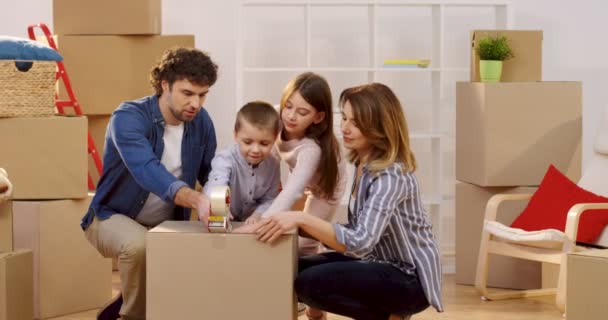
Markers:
(13, 48)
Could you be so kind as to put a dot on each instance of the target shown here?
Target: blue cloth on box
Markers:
(13, 48)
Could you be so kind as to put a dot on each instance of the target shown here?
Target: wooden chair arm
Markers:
(497, 199)
(574, 216)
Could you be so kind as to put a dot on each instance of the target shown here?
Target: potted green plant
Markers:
(492, 52)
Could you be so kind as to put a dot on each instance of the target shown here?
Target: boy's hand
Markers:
(254, 218)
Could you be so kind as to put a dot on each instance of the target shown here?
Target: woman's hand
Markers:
(272, 228)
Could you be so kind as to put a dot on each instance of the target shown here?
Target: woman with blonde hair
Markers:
(386, 264)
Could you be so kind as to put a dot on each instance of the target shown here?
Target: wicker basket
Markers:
(27, 94)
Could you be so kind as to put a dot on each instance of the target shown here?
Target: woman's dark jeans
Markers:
(357, 289)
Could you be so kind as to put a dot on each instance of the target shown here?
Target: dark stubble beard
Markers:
(179, 116)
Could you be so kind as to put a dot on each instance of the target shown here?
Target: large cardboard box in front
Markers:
(45, 157)
(77, 17)
(192, 274)
(69, 274)
(16, 285)
(507, 134)
(504, 272)
(107, 70)
(587, 285)
(527, 62)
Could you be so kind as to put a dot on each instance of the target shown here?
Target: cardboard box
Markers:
(527, 63)
(107, 17)
(97, 129)
(46, 157)
(16, 285)
(6, 226)
(504, 272)
(587, 285)
(192, 274)
(507, 134)
(120, 64)
(69, 274)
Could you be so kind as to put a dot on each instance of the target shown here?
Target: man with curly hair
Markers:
(156, 148)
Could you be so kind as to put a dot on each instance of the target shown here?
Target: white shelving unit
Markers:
(433, 137)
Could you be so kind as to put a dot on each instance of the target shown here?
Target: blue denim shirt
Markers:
(132, 169)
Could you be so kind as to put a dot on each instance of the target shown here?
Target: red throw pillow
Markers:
(549, 206)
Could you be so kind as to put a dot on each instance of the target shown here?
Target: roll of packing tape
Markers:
(220, 201)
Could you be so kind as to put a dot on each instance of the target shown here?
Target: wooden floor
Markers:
(461, 303)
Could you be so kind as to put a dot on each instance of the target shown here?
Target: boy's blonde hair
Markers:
(379, 116)
(259, 114)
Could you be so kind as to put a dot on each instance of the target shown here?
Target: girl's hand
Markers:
(254, 218)
(246, 228)
(272, 228)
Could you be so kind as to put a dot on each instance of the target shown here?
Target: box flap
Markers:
(179, 226)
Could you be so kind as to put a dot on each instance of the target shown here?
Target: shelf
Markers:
(353, 69)
(432, 200)
(350, 3)
(416, 135)
(438, 77)
(413, 135)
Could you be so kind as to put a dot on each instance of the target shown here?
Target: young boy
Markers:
(246, 167)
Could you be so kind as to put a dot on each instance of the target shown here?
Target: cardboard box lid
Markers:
(193, 227)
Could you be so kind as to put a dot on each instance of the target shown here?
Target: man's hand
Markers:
(254, 218)
(203, 206)
(190, 198)
(272, 228)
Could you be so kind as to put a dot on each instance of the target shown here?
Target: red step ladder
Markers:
(72, 102)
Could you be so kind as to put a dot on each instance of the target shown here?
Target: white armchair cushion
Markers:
(549, 238)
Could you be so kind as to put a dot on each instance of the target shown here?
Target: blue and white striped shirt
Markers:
(390, 225)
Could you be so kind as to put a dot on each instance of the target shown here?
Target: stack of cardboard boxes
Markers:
(507, 135)
(47, 268)
(109, 48)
